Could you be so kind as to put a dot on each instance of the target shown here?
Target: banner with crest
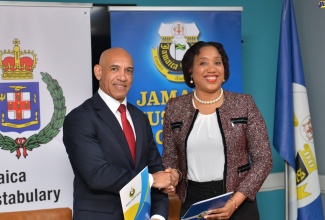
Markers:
(45, 59)
(158, 37)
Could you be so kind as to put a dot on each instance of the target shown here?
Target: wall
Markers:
(260, 35)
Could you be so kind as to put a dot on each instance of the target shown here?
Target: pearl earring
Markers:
(191, 80)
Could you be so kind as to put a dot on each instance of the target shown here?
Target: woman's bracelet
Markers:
(236, 207)
(179, 174)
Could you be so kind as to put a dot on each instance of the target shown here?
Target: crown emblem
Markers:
(17, 64)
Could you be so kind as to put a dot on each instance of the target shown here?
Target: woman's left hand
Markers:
(221, 213)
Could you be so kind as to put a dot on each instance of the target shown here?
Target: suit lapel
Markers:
(110, 120)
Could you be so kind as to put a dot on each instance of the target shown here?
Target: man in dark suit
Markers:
(98, 149)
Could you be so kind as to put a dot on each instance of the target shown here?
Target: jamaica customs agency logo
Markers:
(20, 103)
(175, 39)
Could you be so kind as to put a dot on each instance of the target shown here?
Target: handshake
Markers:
(166, 180)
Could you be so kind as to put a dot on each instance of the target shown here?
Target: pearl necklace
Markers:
(208, 102)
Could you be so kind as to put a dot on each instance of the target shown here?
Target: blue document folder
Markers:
(199, 209)
(136, 197)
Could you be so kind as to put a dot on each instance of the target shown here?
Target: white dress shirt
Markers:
(205, 152)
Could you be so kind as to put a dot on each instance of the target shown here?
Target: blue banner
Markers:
(157, 41)
(293, 134)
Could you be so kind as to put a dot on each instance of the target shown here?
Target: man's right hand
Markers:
(163, 179)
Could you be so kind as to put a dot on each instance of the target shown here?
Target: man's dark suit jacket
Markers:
(102, 162)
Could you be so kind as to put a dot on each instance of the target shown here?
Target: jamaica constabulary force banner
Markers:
(158, 37)
(45, 64)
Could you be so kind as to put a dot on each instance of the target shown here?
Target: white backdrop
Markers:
(59, 35)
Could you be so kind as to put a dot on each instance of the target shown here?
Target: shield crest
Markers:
(20, 107)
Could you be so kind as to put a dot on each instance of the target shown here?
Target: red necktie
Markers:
(128, 131)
